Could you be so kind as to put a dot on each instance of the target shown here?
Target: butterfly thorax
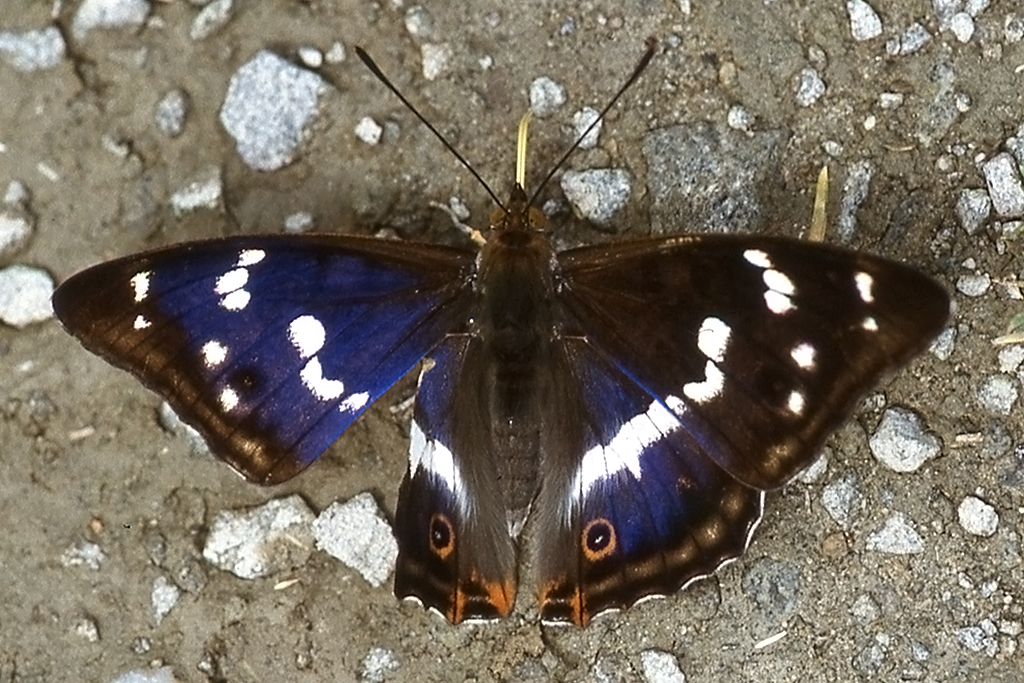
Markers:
(514, 324)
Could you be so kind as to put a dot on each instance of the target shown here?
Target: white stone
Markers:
(896, 537)
(356, 533)
(261, 541)
(25, 293)
(977, 517)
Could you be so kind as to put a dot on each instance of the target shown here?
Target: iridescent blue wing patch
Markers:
(270, 346)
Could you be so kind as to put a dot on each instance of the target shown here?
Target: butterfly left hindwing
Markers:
(269, 346)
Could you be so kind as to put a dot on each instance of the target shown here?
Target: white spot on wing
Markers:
(803, 354)
(758, 258)
(870, 324)
(778, 303)
(354, 402)
(623, 451)
(231, 281)
(140, 285)
(141, 323)
(213, 353)
(436, 459)
(779, 282)
(312, 375)
(228, 399)
(713, 338)
(702, 392)
(236, 301)
(307, 335)
(248, 257)
(796, 403)
(865, 287)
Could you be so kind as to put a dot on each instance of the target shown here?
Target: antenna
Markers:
(372, 66)
(651, 45)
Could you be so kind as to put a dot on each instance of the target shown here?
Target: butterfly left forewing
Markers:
(269, 346)
(761, 346)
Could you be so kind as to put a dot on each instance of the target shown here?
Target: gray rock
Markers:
(261, 541)
(901, 443)
(355, 533)
(597, 194)
(269, 108)
(977, 517)
(973, 207)
(896, 537)
(33, 50)
(1004, 185)
(997, 394)
(546, 96)
(25, 293)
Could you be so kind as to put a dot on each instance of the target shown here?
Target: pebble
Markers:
(170, 113)
(169, 420)
(163, 597)
(436, 57)
(25, 293)
(311, 56)
(94, 14)
(962, 26)
(356, 533)
(87, 629)
(972, 208)
(910, 41)
(162, 675)
(597, 194)
(943, 346)
(582, 120)
(369, 131)
(977, 517)
(890, 100)
(661, 667)
(973, 284)
(419, 23)
(298, 222)
(84, 554)
(896, 537)
(1004, 185)
(855, 191)
(865, 610)
(839, 498)
(336, 54)
(261, 541)
(997, 394)
(16, 228)
(809, 88)
(739, 118)
(546, 96)
(33, 50)
(1013, 29)
(378, 664)
(976, 639)
(1010, 357)
(268, 108)
(864, 21)
(901, 443)
(210, 19)
(203, 193)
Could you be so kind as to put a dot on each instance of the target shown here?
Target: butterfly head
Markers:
(517, 215)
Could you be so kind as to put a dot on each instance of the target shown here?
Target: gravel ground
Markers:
(126, 124)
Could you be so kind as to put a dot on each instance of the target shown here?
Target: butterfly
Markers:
(634, 400)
